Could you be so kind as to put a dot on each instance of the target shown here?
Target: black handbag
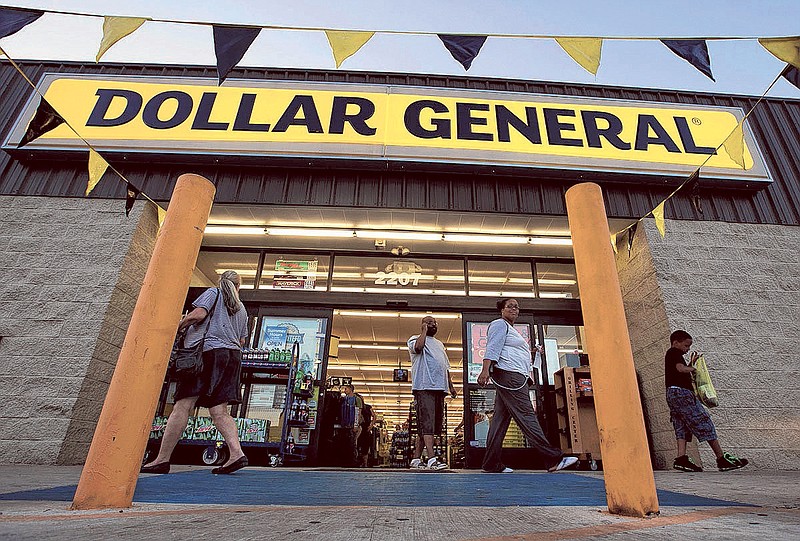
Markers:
(187, 362)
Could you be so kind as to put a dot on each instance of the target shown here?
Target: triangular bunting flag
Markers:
(463, 48)
(44, 120)
(12, 20)
(584, 51)
(787, 49)
(692, 185)
(614, 242)
(161, 215)
(130, 197)
(792, 74)
(658, 214)
(631, 234)
(345, 44)
(734, 145)
(116, 28)
(97, 167)
(230, 45)
(694, 51)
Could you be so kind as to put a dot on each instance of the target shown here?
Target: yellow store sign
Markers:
(266, 118)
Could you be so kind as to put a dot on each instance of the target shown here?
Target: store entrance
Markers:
(369, 350)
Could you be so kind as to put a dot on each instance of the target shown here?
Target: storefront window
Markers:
(563, 346)
(211, 265)
(557, 280)
(500, 279)
(295, 273)
(402, 276)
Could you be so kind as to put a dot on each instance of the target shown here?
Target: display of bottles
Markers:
(262, 356)
(290, 443)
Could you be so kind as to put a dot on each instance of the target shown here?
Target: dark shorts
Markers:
(688, 416)
(430, 411)
(219, 381)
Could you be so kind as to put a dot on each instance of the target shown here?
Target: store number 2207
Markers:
(395, 278)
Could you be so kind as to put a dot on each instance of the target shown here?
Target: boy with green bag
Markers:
(687, 414)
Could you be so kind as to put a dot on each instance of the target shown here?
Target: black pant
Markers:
(517, 405)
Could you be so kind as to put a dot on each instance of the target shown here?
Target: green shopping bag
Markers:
(703, 387)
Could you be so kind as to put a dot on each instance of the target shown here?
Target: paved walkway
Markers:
(387, 505)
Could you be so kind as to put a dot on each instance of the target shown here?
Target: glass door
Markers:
(479, 401)
(283, 376)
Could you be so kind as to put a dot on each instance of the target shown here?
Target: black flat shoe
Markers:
(156, 468)
(238, 464)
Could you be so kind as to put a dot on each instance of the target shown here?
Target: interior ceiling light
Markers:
(302, 232)
(232, 230)
(380, 313)
(345, 232)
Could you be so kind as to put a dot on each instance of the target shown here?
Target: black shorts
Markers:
(218, 383)
(430, 411)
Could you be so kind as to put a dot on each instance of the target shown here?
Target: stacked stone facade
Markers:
(736, 289)
(69, 279)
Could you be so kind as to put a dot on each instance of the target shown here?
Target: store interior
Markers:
(372, 343)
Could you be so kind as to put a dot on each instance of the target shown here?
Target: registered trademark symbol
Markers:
(696, 121)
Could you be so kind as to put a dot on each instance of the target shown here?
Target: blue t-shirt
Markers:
(225, 331)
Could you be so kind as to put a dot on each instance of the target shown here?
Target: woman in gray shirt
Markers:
(507, 363)
(218, 384)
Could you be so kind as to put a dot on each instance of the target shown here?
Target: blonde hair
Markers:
(230, 296)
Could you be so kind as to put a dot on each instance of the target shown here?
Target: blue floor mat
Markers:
(347, 488)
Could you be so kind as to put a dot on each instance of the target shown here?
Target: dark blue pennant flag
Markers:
(631, 234)
(130, 197)
(792, 74)
(694, 51)
(44, 120)
(12, 20)
(230, 45)
(463, 48)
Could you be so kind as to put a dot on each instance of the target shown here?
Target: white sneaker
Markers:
(416, 464)
(566, 462)
(507, 470)
(434, 464)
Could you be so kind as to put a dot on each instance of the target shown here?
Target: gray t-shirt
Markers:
(224, 330)
(429, 368)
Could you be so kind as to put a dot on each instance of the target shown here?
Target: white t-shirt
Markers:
(506, 346)
(429, 368)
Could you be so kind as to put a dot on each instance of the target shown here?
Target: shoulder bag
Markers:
(187, 362)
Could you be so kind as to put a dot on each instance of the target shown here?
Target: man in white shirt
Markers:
(430, 374)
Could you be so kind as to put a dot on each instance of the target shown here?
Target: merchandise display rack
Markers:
(577, 422)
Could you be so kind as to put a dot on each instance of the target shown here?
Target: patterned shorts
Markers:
(688, 416)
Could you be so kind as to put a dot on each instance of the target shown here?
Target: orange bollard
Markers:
(630, 486)
(112, 467)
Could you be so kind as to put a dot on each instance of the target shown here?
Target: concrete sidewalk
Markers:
(306, 503)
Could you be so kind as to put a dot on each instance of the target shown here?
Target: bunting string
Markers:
(658, 211)
(97, 164)
(584, 50)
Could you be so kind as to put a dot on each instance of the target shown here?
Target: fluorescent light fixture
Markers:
(552, 241)
(233, 230)
(549, 295)
(493, 239)
(397, 235)
(479, 293)
(553, 282)
(302, 232)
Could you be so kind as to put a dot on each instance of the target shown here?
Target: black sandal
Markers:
(238, 464)
(156, 468)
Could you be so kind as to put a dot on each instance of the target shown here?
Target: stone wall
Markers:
(736, 289)
(70, 273)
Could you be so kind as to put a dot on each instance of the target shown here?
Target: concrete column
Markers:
(112, 466)
(630, 487)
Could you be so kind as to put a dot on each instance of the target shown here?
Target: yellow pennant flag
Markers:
(658, 214)
(614, 242)
(97, 166)
(786, 49)
(345, 44)
(116, 28)
(584, 51)
(161, 215)
(734, 145)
